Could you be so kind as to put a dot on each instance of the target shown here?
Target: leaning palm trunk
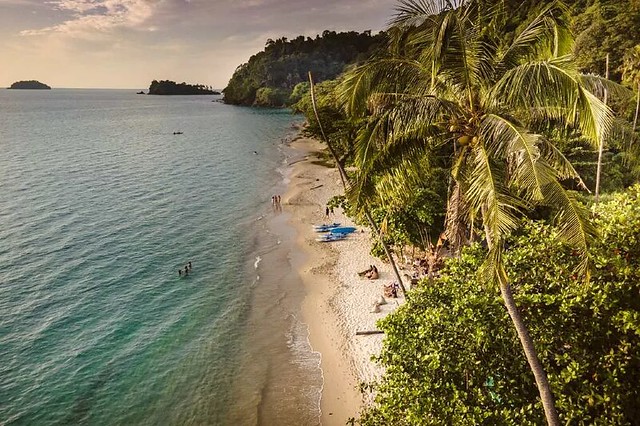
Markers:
(345, 182)
(542, 382)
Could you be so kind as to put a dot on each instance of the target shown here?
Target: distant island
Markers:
(167, 87)
(30, 85)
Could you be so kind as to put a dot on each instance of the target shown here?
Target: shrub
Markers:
(453, 357)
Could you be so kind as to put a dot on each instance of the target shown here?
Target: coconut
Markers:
(464, 140)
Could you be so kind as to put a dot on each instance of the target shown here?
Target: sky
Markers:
(129, 43)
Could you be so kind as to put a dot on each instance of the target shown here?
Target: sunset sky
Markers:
(128, 43)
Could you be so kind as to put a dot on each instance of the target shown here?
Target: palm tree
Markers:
(449, 83)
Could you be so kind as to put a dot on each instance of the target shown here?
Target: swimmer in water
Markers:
(189, 265)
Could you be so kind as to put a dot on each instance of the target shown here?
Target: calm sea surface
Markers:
(100, 205)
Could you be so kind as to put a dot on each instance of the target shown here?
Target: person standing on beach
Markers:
(326, 212)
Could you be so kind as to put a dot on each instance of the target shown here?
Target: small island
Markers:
(29, 85)
(167, 87)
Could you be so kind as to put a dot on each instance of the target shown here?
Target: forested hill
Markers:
(270, 77)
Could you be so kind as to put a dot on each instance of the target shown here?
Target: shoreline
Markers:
(338, 302)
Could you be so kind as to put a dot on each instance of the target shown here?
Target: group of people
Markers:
(276, 202)
(370, 273)
(328, 210)
(187, 269)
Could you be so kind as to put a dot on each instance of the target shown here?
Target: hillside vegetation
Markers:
(270, 77)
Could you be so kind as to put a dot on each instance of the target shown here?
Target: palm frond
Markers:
(544, 37)
(526, 171)
(572, 221)
(488, 195)
(492, 269)
(390, 75)
(561, 164)
(415, 12)
(552, 90)
(598, 85)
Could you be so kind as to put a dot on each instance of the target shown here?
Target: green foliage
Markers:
(300, 90)
(617, 170)
(605, 26)
(285, 63)
(167, 87)
(268, 96)
(452, 357)
(340, 130)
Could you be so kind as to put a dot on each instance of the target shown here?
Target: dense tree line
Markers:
(167, 87)
(269, 77)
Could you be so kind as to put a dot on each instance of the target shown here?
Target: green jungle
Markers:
(498, 140)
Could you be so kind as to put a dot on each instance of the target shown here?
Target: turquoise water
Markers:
(100, 205)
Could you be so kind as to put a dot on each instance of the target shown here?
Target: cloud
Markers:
(89, 16)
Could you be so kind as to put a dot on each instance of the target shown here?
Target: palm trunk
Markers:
(635, 118)
(532, 356)
(345, 180)
(601, 144)
(546, 396)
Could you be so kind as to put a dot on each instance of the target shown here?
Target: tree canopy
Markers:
(270, 76)
(451, 359)
(168, 87)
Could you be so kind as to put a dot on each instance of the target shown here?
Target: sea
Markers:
(104, 196)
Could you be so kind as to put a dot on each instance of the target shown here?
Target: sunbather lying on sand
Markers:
(391, 289)
(366, 271)
(373, 274)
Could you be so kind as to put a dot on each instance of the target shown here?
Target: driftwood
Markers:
(316, 187)
(368, 332)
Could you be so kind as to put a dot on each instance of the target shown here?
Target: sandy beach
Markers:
(338, 302)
